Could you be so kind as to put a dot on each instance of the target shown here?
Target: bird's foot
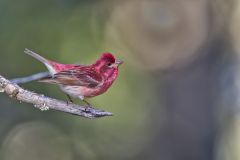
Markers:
(88, 108)
(69, 102)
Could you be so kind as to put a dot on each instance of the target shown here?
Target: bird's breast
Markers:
(77, 91)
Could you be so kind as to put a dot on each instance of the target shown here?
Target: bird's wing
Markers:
(81, 77)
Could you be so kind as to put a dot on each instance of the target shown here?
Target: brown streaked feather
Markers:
(81, 77)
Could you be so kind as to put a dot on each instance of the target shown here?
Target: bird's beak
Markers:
(117, 63)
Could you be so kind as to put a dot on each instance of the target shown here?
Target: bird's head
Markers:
(107, 63)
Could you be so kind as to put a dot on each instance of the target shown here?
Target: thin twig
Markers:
(44, 103)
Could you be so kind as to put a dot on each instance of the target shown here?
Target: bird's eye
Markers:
(109, 64)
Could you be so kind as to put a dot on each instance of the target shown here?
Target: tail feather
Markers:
(36, 56)
(41, 59)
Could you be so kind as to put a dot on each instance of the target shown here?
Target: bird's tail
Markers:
(46, 62)
(35, 55)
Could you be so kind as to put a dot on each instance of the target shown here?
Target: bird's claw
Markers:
(69, 102)
(88, 108)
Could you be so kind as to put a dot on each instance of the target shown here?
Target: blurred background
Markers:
(176, 97)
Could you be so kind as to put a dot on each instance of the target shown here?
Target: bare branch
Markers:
(44, 103)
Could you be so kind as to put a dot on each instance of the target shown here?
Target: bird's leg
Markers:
(88, 105)
(70, 100)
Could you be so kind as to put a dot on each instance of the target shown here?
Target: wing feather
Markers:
(78, 77)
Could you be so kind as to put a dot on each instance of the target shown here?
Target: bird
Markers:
(81, 81)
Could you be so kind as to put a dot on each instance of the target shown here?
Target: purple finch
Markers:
(82, 81)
